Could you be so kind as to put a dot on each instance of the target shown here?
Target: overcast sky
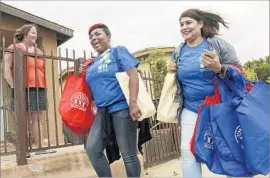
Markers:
(139, 24)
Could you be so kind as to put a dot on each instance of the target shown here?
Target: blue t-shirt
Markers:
(197, 82)
(100, 77)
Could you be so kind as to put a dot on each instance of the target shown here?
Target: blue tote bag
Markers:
(224, 122)
(203, 141)
(211, 147)
(230, 166)
(227, 121)
(253, 116)
(204, 146)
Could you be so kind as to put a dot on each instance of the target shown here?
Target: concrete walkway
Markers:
(73, 162)
(172, 169)
(169, 169)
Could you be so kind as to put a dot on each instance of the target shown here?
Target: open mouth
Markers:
(96, 44)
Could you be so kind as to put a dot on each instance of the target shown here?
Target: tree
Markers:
(260, 67)
(158, 67)
(250, 73)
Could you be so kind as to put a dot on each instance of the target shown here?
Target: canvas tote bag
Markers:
(167, 110)
(145, 102)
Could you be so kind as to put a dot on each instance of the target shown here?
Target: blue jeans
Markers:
(126, 136)
(190, 167)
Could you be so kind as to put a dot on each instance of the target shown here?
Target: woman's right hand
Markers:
(172, 66)
(82, 68)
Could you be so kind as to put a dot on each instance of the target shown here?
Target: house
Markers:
(153, 82)
(50, 36)
(144, 53)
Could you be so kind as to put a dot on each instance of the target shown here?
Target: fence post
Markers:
(20, 107)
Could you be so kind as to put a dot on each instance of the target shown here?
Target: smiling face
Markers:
(99, 40)
(30, 38)
(190, 28)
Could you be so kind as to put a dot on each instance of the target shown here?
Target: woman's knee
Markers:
(92, 151)
(130, 157)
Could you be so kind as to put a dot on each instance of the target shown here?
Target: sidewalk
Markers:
(169, 169)
(172, 169)
(73, 162)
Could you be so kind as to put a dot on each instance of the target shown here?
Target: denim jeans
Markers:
(126, 136)
(190, 168)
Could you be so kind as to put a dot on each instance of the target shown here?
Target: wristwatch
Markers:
(222, 72)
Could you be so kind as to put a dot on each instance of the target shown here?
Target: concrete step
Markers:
(70, 159)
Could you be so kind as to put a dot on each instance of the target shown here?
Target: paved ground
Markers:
(77, 159)
(169, 169)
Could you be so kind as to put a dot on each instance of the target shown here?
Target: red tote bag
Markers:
(76, 107)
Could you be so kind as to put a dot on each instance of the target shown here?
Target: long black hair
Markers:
(211, 21)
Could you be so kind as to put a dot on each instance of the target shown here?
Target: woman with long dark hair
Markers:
(197, 61)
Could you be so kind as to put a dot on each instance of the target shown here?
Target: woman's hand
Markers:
(211, 61)
(82, 68)
(134, 110)
(172, 66)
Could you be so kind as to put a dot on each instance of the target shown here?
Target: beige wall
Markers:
(49, 43)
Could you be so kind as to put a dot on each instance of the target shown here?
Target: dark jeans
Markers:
(126, 136)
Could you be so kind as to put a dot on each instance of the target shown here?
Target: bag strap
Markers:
(88, 61)
(115, 54)
(216, 98)
(237, 81)
(177, 53)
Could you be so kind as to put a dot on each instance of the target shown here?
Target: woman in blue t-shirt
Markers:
(109, 98)
(196, 62)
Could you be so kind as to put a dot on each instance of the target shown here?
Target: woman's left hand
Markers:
(134, 110)
(211, 61)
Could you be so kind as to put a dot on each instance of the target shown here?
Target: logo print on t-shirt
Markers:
(103, 63)
(80, 101)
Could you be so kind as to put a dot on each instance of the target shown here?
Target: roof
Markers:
(146, 51)
(62, 33)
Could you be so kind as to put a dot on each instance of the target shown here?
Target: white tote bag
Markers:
(168, 103)
(145, 102)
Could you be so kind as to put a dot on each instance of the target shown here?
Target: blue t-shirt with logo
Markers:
(100, 77)
(197, 82)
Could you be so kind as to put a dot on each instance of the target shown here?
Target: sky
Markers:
(143, 24)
